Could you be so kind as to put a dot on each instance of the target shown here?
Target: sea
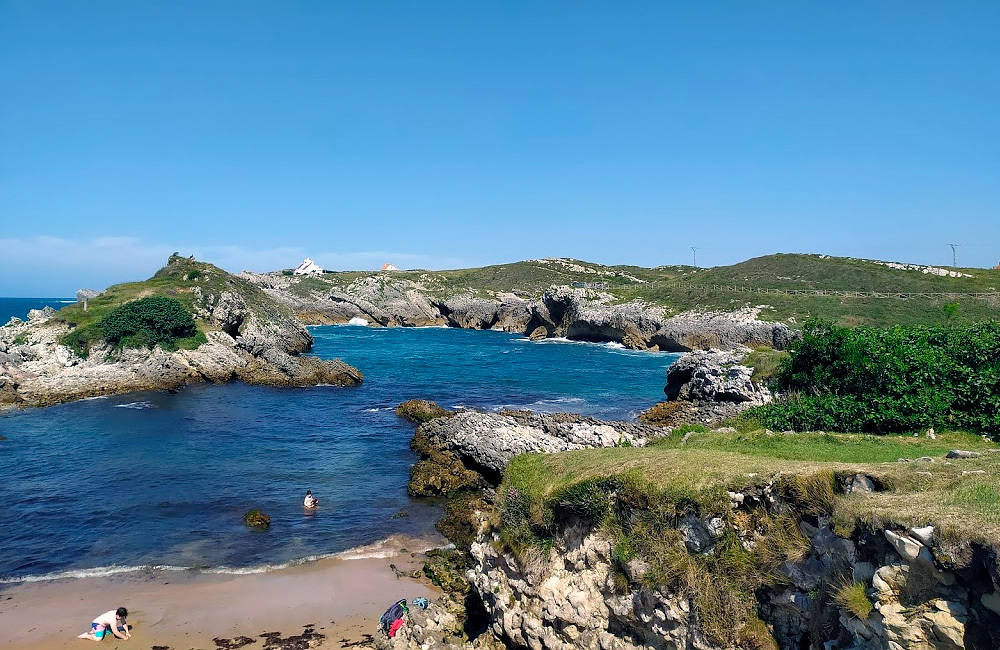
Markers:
(160, 481)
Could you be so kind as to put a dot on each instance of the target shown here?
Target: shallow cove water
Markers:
(157, 479)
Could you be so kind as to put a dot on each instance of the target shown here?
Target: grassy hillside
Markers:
(177, 280)
(681, 288)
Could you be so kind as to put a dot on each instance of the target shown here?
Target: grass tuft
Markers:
(853, 597)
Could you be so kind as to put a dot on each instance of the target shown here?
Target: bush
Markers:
(147, 322)
(890, 380)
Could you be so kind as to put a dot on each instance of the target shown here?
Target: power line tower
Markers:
(954, 255)
(694, 256)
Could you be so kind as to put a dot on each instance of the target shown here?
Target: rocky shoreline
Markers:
(249, 337)
(562, 311)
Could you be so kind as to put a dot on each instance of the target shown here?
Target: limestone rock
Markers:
(961, 453)
(487, 441)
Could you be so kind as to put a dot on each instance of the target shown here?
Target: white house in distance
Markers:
(389, 267)
(308, 267)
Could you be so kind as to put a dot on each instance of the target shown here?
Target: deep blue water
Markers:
(19, 306)
(163, 479)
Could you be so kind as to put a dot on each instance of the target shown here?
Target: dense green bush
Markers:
(146, 322)
(890, 380)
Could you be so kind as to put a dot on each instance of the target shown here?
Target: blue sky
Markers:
(443, 134)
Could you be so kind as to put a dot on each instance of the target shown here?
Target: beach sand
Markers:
(340, 599)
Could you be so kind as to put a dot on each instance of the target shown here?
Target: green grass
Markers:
(701, 470)
(765, 363)
(824, 447)
(682, 288)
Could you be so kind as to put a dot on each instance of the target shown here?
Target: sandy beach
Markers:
(331, 603)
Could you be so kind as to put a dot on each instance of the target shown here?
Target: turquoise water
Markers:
(19, 306)
(112, 484)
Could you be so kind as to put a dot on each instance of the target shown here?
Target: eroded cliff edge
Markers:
(622, 536)
(242, 334)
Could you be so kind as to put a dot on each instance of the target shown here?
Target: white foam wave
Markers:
(377, 409)
(95, 572)
(66, 302)
(93, 397)
(391, 546)
(610, 345)
(135, 405)
(357, 320)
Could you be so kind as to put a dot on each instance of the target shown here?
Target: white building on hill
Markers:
(389, 267)
(308, 267)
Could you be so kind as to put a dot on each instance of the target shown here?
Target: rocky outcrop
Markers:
(419, 411)
(908, 588)
(249, 337)
(706, 386)
(485, 442)
(578, 314)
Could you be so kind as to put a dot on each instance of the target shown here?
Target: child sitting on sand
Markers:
(310, 501)
(112, 621)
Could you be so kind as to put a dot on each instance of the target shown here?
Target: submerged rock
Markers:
(257, 519)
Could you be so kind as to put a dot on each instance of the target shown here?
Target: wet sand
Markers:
(336, 598)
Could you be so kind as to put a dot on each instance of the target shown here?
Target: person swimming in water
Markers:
(310, 501)
(111, 621)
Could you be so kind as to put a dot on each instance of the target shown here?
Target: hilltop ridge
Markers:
(787, 288)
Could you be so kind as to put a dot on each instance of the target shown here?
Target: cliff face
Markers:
(579, 314)
(248, 336)
(689, 544)
(908, 594)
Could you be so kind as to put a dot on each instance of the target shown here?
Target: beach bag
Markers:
(395, 612)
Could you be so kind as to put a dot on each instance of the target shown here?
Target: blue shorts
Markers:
(98, 630)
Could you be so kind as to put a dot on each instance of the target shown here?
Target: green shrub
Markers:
(147, 322)
(890, 380)
(193, 274)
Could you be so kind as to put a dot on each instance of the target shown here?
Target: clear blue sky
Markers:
(442, 134)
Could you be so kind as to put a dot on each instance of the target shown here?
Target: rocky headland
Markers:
(561, 311)
(247, 336)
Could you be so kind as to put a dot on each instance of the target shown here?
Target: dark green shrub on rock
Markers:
(890, 380)
(147, 322)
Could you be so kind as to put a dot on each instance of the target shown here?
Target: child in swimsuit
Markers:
(111, 621)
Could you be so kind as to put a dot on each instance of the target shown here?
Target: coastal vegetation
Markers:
(162, 308)
(146, 323)
(903, 378)
(647, 502)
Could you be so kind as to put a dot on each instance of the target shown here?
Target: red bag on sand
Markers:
(398, 623)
